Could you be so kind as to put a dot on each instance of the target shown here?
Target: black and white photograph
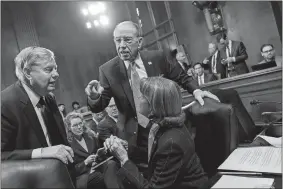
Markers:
(141, 94)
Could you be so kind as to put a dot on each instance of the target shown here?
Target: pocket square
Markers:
(149, 63)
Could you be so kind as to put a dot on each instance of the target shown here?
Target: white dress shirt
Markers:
(140, 67)
(201, 79)
(82, 143)
(229, 53)
(181, 65)
(214, 62)
(34, 98)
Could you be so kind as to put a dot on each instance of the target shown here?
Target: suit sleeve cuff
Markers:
(196, 91)
(36, 153)
(91, 101)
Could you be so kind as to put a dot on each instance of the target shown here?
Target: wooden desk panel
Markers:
(264, 85)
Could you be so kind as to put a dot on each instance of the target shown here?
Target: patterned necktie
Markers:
(42, 106)
(135, 84)
(152, 133)
(213, 63)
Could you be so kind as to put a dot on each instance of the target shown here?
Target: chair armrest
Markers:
(36, 173)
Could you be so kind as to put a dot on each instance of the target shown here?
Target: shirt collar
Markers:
(34, 98)
(138, 61)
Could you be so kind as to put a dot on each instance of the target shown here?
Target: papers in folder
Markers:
(243, 182)
(265, 159)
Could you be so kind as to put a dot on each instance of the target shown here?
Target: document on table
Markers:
(274, 141)
(264, 159)
(243, 182)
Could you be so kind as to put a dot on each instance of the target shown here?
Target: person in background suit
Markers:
(112, 110)
(76, 106)
(181, 57)
(106, 126)
(173, 162)
(213, 63)
(117, 75)
(202, 77)
(268, 54)
(85, 145)
(62, 110)
(31, 124)
(233, 55)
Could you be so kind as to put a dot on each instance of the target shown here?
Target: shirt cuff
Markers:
(234, 59)
(36, 153)
(196, 91)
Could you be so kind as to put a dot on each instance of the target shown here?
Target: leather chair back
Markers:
(36, 173)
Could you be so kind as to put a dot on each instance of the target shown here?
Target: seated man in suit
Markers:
(31, 124)
(106, 126)
(233, 55)
(213, 62)
(268, 53)
(202, 77)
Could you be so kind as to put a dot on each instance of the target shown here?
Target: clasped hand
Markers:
(117, 148)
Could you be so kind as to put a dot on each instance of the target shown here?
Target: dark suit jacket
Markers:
(113, 77)
(21, 131)
(172, 149)
(220, 68)
(105, 128)
(239, 52)
(207, 77)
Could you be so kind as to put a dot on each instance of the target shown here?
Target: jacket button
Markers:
(135, 117)
(135, 132)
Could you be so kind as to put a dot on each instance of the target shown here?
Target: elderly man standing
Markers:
(120, 78)
(31, 124)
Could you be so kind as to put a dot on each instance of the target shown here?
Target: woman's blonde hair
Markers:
(67, 120)
(164, 96)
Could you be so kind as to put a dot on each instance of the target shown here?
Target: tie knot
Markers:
(41, 101)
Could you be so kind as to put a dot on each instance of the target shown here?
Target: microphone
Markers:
(256, 102)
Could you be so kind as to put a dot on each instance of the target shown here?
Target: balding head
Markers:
(129, 25)
(181, 57)
(127, 40)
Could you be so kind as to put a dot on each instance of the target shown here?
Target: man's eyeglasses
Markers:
(268, 51)
(127, 40)
(78, 125)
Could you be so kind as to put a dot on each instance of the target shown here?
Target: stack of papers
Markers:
(265, 159)
(243, 182)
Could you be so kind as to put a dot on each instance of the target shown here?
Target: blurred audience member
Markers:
(203, 77)
(268, 53)
(106, 126)
(76, 106)
(62, 110)
(233, 55)
(112, 110)
(213, 62)
(181, 58)
(85, 146)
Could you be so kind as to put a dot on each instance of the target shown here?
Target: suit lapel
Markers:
(205, 78)
(79, 147)
(125, 83)
(149, 67)
(29, 112)
(90, 144)
(233, 46)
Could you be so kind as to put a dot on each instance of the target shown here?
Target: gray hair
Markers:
(30, 56)
(137, 27)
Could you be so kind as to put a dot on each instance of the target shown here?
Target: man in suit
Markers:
(202, 77)
(233, 55)
(118, 79)
(213, 62)
(31, 124)
(181, 57)
(106, 126)
(268, 54)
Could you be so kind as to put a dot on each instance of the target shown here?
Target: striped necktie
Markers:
(135, 84)
(152, 133)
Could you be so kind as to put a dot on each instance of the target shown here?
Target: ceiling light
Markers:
(93, 9)
(88, 25)
(104, 20)
(101, 7)
(96, 23)
(85, 12)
